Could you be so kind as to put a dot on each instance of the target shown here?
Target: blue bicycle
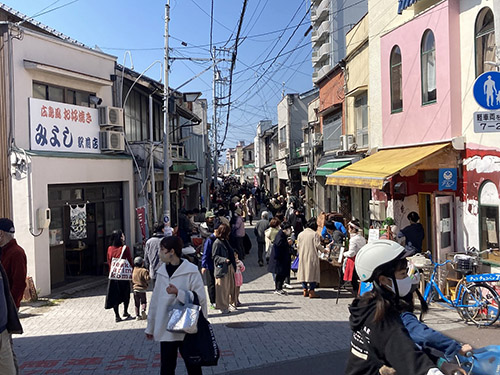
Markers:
(475, 301)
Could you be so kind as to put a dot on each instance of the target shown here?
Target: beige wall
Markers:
(357, 77)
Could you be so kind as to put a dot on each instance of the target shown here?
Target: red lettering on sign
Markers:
(81, 116)
(51, 112)
(43, 111)
(88, 118)
(58, 113)
(67, 114)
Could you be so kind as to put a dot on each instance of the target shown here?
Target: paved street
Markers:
(269, 334)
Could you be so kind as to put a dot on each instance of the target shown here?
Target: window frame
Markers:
(391, 81)
(65, 92)
(361, 110)
(480, 34)
(424, 54)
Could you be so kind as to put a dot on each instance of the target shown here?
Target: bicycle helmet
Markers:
(376, 255)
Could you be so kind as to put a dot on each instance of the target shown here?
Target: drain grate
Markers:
(240, 325)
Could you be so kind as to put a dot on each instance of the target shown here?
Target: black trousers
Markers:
(210, 278)
(280, 279)
(168, 354)
(260, 250)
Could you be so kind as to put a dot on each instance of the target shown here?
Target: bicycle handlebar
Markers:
(429, 255)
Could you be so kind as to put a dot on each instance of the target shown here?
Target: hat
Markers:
(209, 214)
(7, 225)
(138, 261)
(238, 211)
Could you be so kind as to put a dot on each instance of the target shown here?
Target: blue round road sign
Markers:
(487, 90)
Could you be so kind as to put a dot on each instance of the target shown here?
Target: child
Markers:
(140, 281)
(238, 278)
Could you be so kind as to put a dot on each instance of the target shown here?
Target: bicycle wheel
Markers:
(480, 304)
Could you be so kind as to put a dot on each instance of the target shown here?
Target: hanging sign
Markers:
(141, 215)
(78, 222)
(447, 178)
(63, 127)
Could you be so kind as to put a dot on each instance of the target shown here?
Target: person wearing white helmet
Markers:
(379, 336)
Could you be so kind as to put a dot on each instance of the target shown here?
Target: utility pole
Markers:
(214, 121)
(166, 143)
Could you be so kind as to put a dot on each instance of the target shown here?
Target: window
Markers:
(428, 68)
(396, 80)
(361, 118)
(485, 41)
(61, 94)
(332, 130)
(282, 135)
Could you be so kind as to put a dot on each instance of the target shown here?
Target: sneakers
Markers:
(144, 316)
(287, 286)
(212, 306)
(232, 308)
(225, 312)
(126, 316)
(281, 292)
(138, 317)
(261, 263)
(118, 319)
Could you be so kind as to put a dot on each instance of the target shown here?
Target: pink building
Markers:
(420, 60)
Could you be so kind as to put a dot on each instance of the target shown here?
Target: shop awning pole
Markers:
(166, 146)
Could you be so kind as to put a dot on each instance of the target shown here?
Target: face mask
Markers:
(404, 286)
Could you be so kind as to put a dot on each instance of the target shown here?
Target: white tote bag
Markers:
(120, 269)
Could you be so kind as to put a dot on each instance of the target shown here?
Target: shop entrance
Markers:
(83, 218)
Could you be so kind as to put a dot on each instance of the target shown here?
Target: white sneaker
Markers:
(281, 292)
(287, 286)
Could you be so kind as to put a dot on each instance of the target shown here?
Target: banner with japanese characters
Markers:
(63, 127)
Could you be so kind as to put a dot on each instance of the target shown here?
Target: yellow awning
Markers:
(371, 172)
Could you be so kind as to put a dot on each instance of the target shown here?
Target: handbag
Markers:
(295, 264)
(183, 318)
(200, 348)
(120, 269)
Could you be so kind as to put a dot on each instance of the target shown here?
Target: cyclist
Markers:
(379, 337)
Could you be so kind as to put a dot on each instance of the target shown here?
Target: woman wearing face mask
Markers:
(176, 280)
(280, 258)
(356, 242)
(379, 336)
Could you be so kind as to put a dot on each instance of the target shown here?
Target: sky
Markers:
(273, 53)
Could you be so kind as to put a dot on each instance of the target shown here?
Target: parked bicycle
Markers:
(474, 300)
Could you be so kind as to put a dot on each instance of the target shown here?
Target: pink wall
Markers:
(432, 122)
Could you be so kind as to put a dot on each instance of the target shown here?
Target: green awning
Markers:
(333, 166)
(304, 169)
(183, 167)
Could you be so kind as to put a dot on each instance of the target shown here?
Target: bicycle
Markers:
(481, 361)
(475, 301)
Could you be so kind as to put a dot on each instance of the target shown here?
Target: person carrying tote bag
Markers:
(177, 282)
(224, 269)
(118, 290)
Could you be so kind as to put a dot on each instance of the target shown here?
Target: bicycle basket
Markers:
(464, 263)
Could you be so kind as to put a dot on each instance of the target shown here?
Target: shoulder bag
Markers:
(120, 268)
(201, 348)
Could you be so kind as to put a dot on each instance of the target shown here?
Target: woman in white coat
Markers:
(176, 280)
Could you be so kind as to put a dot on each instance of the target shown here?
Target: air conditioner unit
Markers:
(346, 142)
(304, 149)
(112, 141)
(111, 116)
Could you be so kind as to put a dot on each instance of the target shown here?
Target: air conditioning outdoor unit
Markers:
(111, 116)
(346, 142)
(112, 141)
(304, 149)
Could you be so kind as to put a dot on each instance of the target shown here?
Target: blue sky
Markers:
(138, 26)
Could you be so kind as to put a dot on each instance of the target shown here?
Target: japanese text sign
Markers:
(487, 122)
(447, 179)
(63, 127)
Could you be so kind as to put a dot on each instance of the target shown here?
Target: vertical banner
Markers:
(78, 222)
(141, 216)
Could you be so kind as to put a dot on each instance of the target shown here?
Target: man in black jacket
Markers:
(9, 324)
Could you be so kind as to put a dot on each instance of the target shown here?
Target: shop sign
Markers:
(141, 215)
(447, 179)
(486, 90)
(63, 127)
(487, 122)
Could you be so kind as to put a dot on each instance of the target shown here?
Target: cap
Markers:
(7, 225)
(209, 214)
